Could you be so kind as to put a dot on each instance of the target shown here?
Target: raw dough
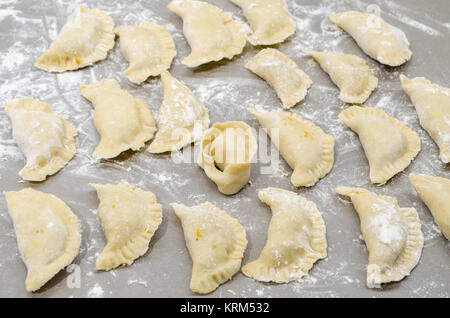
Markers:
(432, 104)
(304, 146)
(216, 243)
(148, 47)
(46, 139)
(287, 79)
(211, 32)
(389, 145)
(82, 41)
(123, 122)
(296, 238)
(182, 119)
(48, 234)
(270, 20)
(378, 39)
(392, 234)
(129, 218)
(227, 150)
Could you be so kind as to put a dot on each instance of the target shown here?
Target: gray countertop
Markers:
(227, 88)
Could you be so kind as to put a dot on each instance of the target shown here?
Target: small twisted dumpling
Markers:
(182, 118)
(46, 139)
(82, 41)
(432, 104)
(392, 234)
(305, 147)
(129, 218)
(295, 241)
(48, 234)
(287, 79)
(350, 73)
(148, 47)
(211, 32)
(389, 145)
(378, 39)
(216, 243)
(435, 192)
(227, 150)
(270, 20)
(123, 122)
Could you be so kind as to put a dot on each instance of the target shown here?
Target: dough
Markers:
(432, 104)
(304, 146)
(392, 234)
(378, 39)
(211, 32)
(389, 145)
(216, 243)
(435, 192)
(350, 73)
(82, 41)
(129, 218)
(296, 238)
(270, 20)
(227, 150)
(123, 122)
(287, 79)
(48, 234)
(182, 118)
(148, 47)
(46, 139)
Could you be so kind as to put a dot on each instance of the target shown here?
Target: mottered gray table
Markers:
(227, 88)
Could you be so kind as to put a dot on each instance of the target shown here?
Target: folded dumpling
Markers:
(350, 73)
(432, 104)
(392, 234)
(129, 218)
(378, 39)
(295, 241)
(82, 41)
(216, 243)
(48, 234)
(46, 139)
(270, 20)
(123, 122)
(226, 154)
(182, 119)
(211, 32)
(305, 147)
(389, 145)
(435, 192)
(287, 79)
(148, 47)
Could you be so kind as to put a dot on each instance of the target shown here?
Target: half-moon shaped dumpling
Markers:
(305, 147)
(46, 139)
(216, 243)
(211, 32)
(182, 118)
(435, 192)
(123, 122)
(48, 234)
(432, 104)
(389, 145)
(148, 47)
(378, 39)
(82, 41)
(227, 150)
(295, 241)
(129, 218)
(287, 79)
(270, 20)
(350, 73)
(392, 234)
